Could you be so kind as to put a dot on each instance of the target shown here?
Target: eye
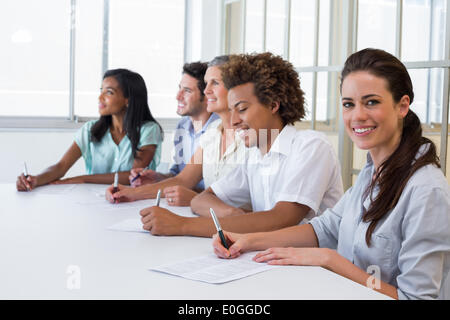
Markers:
(372, 102)
(242, 110)
(348, 104)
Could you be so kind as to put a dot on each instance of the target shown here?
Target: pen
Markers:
(138, 175)
(219, 229)
(25, 170)
(158, 197)
(116, 183)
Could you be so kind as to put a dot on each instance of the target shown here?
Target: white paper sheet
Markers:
(211, 269)
(128, 225)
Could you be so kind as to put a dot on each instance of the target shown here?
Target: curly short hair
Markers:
(197, 70)
(274, 79)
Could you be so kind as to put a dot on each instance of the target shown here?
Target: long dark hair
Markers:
(394, 173)
(138, 112)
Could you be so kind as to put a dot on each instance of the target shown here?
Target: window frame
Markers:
(344, 17)
(73, 121)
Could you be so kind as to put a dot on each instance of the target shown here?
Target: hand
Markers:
(72, 180)
(147, 176)
(179, 196)
(124, 194)
(295, 256)
(162, 222)
(237, 243)
(26, 184)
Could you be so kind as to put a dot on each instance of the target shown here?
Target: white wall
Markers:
(40, 148)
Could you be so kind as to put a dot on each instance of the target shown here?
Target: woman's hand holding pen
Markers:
(141, 176)
(123, 194)
(26, 183)
(238, 243)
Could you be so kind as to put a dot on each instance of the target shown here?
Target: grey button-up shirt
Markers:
(410, 244)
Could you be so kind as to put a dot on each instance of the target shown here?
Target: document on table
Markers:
(212, 269)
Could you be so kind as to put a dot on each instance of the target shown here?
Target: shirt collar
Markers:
(189, 125)
(283, 142)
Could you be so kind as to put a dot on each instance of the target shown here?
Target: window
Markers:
(34, 58)
(55, 52)
(318, 35)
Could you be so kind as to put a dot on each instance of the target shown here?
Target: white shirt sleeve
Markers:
(233, 189)
(327, 225)
(310, 174)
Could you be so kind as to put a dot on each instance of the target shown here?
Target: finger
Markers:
(147, 226)
(281, 262)
(262, 254)
(20, 184)
(217, 244)
(146, 219)
(27, 182)
(144, 212)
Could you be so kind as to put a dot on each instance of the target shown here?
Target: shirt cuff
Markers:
(324, 241)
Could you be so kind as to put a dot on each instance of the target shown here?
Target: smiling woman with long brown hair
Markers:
(396, 218)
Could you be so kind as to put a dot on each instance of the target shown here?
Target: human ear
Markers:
(275, 106)
(403, 106)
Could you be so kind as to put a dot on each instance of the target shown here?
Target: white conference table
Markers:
(44, 233)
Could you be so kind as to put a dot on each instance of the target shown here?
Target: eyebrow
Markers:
(239, 102)
(364, 97)
(108, 88)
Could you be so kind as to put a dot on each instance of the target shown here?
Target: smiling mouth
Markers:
(242, 132)
(363, 130)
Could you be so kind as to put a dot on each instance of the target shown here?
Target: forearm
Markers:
(295, 236)
(345, 268)
(246, 223)
(150, 191)
(206, 200)
(52, 173)
(105, 178)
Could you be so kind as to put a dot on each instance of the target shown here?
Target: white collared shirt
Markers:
(301, 167)
(215, 166)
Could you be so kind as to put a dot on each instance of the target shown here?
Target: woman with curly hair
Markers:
(288, 177)
(395, 220)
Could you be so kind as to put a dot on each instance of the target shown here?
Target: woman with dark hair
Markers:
(395, 220)
(219, 152)
(126, 136)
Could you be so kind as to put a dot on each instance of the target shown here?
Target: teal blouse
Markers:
(107, 157)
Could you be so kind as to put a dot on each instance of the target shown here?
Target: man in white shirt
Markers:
(289, 175)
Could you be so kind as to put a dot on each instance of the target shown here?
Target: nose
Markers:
(179, 95)
(235, 119)
(207, 89)
(359, 113)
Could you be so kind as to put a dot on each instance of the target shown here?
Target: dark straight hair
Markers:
(394, 173)
(137, 113)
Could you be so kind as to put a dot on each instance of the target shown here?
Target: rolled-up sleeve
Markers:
(326, 226)
(233, 188)
(426, 244)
